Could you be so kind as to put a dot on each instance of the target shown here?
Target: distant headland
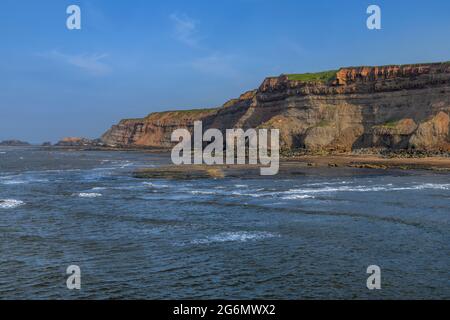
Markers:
(14, 143)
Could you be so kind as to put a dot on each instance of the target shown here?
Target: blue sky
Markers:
(134, 57)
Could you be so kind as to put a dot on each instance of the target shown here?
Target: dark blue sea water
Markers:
(307, 236)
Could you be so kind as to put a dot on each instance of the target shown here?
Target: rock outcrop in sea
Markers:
(398, 107)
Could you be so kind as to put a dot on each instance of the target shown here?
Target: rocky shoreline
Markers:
(296, 165)
(289, 161)
(436, 163)
(364, 158)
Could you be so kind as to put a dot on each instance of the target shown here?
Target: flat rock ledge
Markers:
(292, 167)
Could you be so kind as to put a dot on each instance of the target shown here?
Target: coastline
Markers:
(371, 160)
(438, 163)
(295, 166)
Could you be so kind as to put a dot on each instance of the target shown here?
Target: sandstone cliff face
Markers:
(394, 107)
(155, 130)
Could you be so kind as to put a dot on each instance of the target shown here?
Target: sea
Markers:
(310, 235)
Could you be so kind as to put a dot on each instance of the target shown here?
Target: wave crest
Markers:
(89, 195)
(10, 203)
(241, 236)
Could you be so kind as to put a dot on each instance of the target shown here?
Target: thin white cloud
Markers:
(185, 29)
(90, 63)
(212, 63)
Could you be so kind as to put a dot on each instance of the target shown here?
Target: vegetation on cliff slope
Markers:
(324, 76)
(179, 114)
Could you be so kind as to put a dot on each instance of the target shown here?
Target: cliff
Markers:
(387, 107)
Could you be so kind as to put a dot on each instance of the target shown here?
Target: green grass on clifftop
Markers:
(324, 76)
(182, 112)
(193, 111)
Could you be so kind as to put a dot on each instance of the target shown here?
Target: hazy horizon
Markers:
(129, 60)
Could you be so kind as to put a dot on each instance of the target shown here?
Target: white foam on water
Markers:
(120, 164)
(202, 192)
(308, 193)
(297, 197)
(241, 186)
(98, 188)
(334, 189)
(241, 236)
(128, 187)
(126, 165)
(154, 185)
(13, 180)
(89, 195)
(330, 183)
(10, 203)
(388, 187)
(253, 195)
(436, 186)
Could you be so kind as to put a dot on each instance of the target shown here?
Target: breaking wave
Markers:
(154, 185)
(10, 203)
(388, 187)
(330, 183)
(195, 192)
(297, 196)
(253, 195)
(20, 179)
(98, 188)
(242, 236)
(310, 192)
(89, 195)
